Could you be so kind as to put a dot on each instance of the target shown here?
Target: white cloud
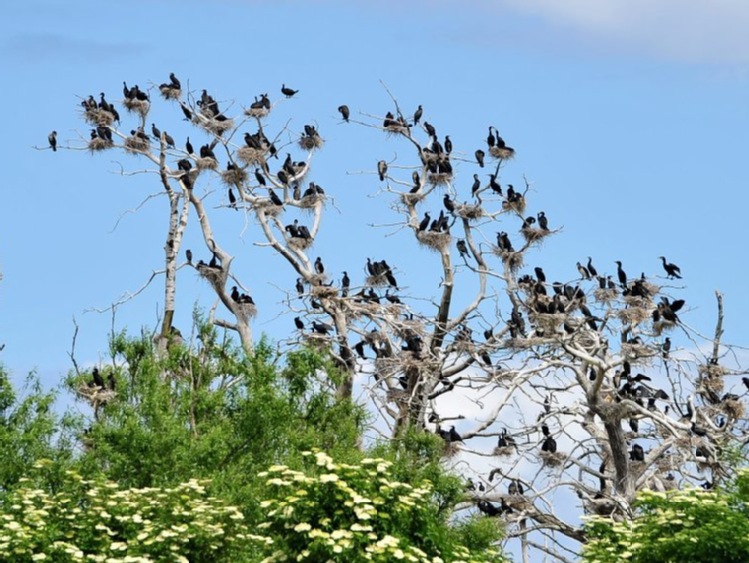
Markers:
(698, 31)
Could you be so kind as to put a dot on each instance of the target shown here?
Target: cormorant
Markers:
(491, 140)
(155, 132)
(476, 185)
(169, 140)
(52, 138)
(637, 453)
(448, 144)
(494, 185)
(175, 82)
(549, 445)
(449, 204)
(591, 269)
(260, 178)
(319, 268)
(321, 328)
(431, 131)
(666, 347)
(98, 379)
(345, 113)
(515, 488)
(417, 114)
(188, 254)
(188, 146)
(232, 199)
(621, 274)
(345, 281)
(288, 92)
(543, 222)
(584, 272)
(540, 276)
(462, 247)
(382, 168)
(480, 157)
(424, 222)
(672, 270)
(298, 322)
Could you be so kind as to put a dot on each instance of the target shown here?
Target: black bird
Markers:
(232, 199)
(417, 115)
(666, 347)
(155, 132)
(288, 92)
(476, 185)
(621, 274)
(298, 322)
(319, 268)
(382, 168)
(274, 197)
(543, 222)
(260, 178)
(299, 287)
(584, 272)
(515, 487)
(540, 276)
(282, 177)
(188, 147)
(672, 270)
(462, 247)
(448, 144)
(637, 453)
(98, 379)
(491, 140)
(494, 185)
(424, 222)
(175, 82)
(480, 157)
(449, 204)
(169, 140)
(549, 445)
(431, 131)
(591, 270)
(345, 281)
(345, 113)
(321, 328)
(52, 138)
(188, 254)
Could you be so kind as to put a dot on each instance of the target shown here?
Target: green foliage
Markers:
(359, 512)
(689, 525)
(99, 521)
(29, 431)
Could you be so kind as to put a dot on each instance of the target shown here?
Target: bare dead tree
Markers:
(567, 393)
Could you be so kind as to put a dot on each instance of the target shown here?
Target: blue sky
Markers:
(629, 118)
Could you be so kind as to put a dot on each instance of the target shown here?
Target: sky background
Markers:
(630, 120)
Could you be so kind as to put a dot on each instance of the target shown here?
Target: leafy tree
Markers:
(710, 526)
(575, 391)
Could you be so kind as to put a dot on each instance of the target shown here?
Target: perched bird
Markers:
(480, 157)
(543, 222)
(591, 269)
(52, 138)
(491, 140)
(621, 274)
(494, 185)
(476, 185)
(448, 144)
(259, 177)
(189, 147)
(299, 287)
(382, 168)
(155, 132)
(169, 140)
(584, 272)
(188, 255)
(319, 268)
(424, 222)
(298, 323)
(637, 453)
(672, 270)
(345, 281)
(417, 114)
(288, 92)
(449, 204)
(98, 380)
(462, 247)
(345, 113)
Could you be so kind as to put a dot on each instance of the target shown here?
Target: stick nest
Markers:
(215, 126)
(170, 92)
(397, 129)
(605, 295)
(268, 207)
(517, 205)
(207, 163)
(505, 153)
(308, 143)
(549, 322)
(638, 302)
(251, 156)
(638, 351)
(661, 325)
(733, 408)
(317, 340)
(323, 291)
(99, 144)
(215, 276)
(140, 107)
(136, 144)
(299, 243)
(552, 459)
(512, 259)
(234, 177)
(634, 315)
(412, 199)
(439, 178)
(249, 310)
(95, 395)
(257, 112)
(309, 201)
(711, 370)
(435, 241)
(467, 211)
(504, 451)
(98, 117)
(534, 235)
(713, 384)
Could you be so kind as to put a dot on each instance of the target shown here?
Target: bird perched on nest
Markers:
(672, 270)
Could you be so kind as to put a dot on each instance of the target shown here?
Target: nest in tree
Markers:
(638, 302)
(434, 240)
(713, 384)
(136, 144)
(317, 280)
(257, 112)
(234, 177)
(310, 143)
(215, 276)
(397, 396)
(733, 408)
(605, 295)
(633, 315)
(504, 451)
(215, 126)
(711, 370)
(207, 163)
(268, 207)
(510, 258)
(380, 280)
(601, 506)
(300, 243)
(412, 199)
(249, 310)
(532, 235)
(396, 128)
(549, 459)
(451, 449)
(637, 351)
(140, 107)
(99, 144)
(660, 325)
(249, 155)
(309, 201)
(95, 395)
(170, 92)
(467, 211)
(549, 322)
(97, 116)
(505, 153)
(517, 205)
(439, 178)
(323, 291)
(317, 340)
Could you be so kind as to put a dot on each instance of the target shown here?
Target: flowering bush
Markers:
(355, 513)
(99, 521)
